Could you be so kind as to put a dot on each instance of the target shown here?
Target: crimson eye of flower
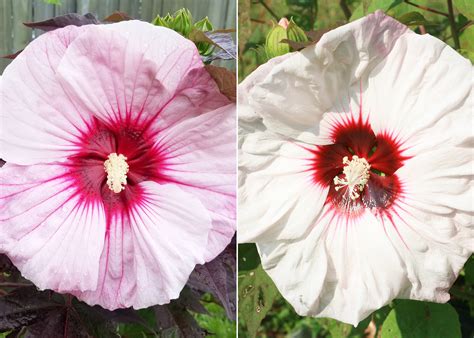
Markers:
(112, 160)
(359, 167)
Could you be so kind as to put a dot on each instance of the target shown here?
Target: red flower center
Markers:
(359, 167)
(145, 162)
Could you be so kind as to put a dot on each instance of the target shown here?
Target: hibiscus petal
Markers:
(279, 199)
(296, 92)
(420, 72)
(200, 157)
(150, 71)
(339, 270)
(44, 124)
(149, 254)
(52, 236)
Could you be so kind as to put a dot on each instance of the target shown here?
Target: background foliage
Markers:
(257, 17)
(262, 310)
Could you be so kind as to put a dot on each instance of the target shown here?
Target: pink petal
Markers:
(150, 71)
(53, 238)
(149, 254)
(39, 122)
(200, 157)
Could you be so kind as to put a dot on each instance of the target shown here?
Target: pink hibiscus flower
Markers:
(120, 163)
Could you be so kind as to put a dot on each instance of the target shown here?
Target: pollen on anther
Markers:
(356, 175)
(116, 168)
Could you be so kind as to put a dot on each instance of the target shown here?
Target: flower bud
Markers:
(273, 45)
(204, 25)
(283, 22)
(164, 22)
(183, 22)
(295, 33)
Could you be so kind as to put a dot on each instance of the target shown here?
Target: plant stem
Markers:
(452, 23)
(269, 10)
(14, 285)
(345, 9)
(426, 8)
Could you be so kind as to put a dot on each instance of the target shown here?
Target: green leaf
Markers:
(370, 6)
(465, 7)
(467, 39)
(256, 295)
(413, 19)
(248, 257)
(216, 322)
(469, 267)
(416, 319)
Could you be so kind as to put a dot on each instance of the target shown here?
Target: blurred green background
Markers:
(257, 17)
(262, 310)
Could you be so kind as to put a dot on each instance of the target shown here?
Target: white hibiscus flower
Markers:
(356, 169)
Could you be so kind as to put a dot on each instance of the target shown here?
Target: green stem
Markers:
(269, 10)
(452, 23)
(14, 285)
(345, 9)
(426, 8)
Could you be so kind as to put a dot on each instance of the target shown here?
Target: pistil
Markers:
(116, 168)
(356, 175)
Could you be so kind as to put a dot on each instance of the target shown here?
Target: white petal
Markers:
(279, 199)
(297, 91)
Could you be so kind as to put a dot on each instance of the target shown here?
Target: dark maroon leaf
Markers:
(315, 36)
(63, 21)
(23, 307)
(225, 42)
(117, 17)
(297, 45)
(11, 56)
(225, 80)
(63, 322)
(5, 263)
(174, 320)
(2, 162)
(191, 300)
(218, 278)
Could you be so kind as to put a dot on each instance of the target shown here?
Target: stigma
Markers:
(116, 168)
(356, 175)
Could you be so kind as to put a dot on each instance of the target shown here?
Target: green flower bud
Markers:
(273, 45)
(295, 33)
(183, 22)
(159, 21)
(204, 25)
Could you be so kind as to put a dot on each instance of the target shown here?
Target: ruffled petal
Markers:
(345, 266)
(39, 121)
(52, 236)
(412, 91)
(200, 157)
(279, 199)
(294, 95)
(135, 72)
(150, 252)
(343, 270)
